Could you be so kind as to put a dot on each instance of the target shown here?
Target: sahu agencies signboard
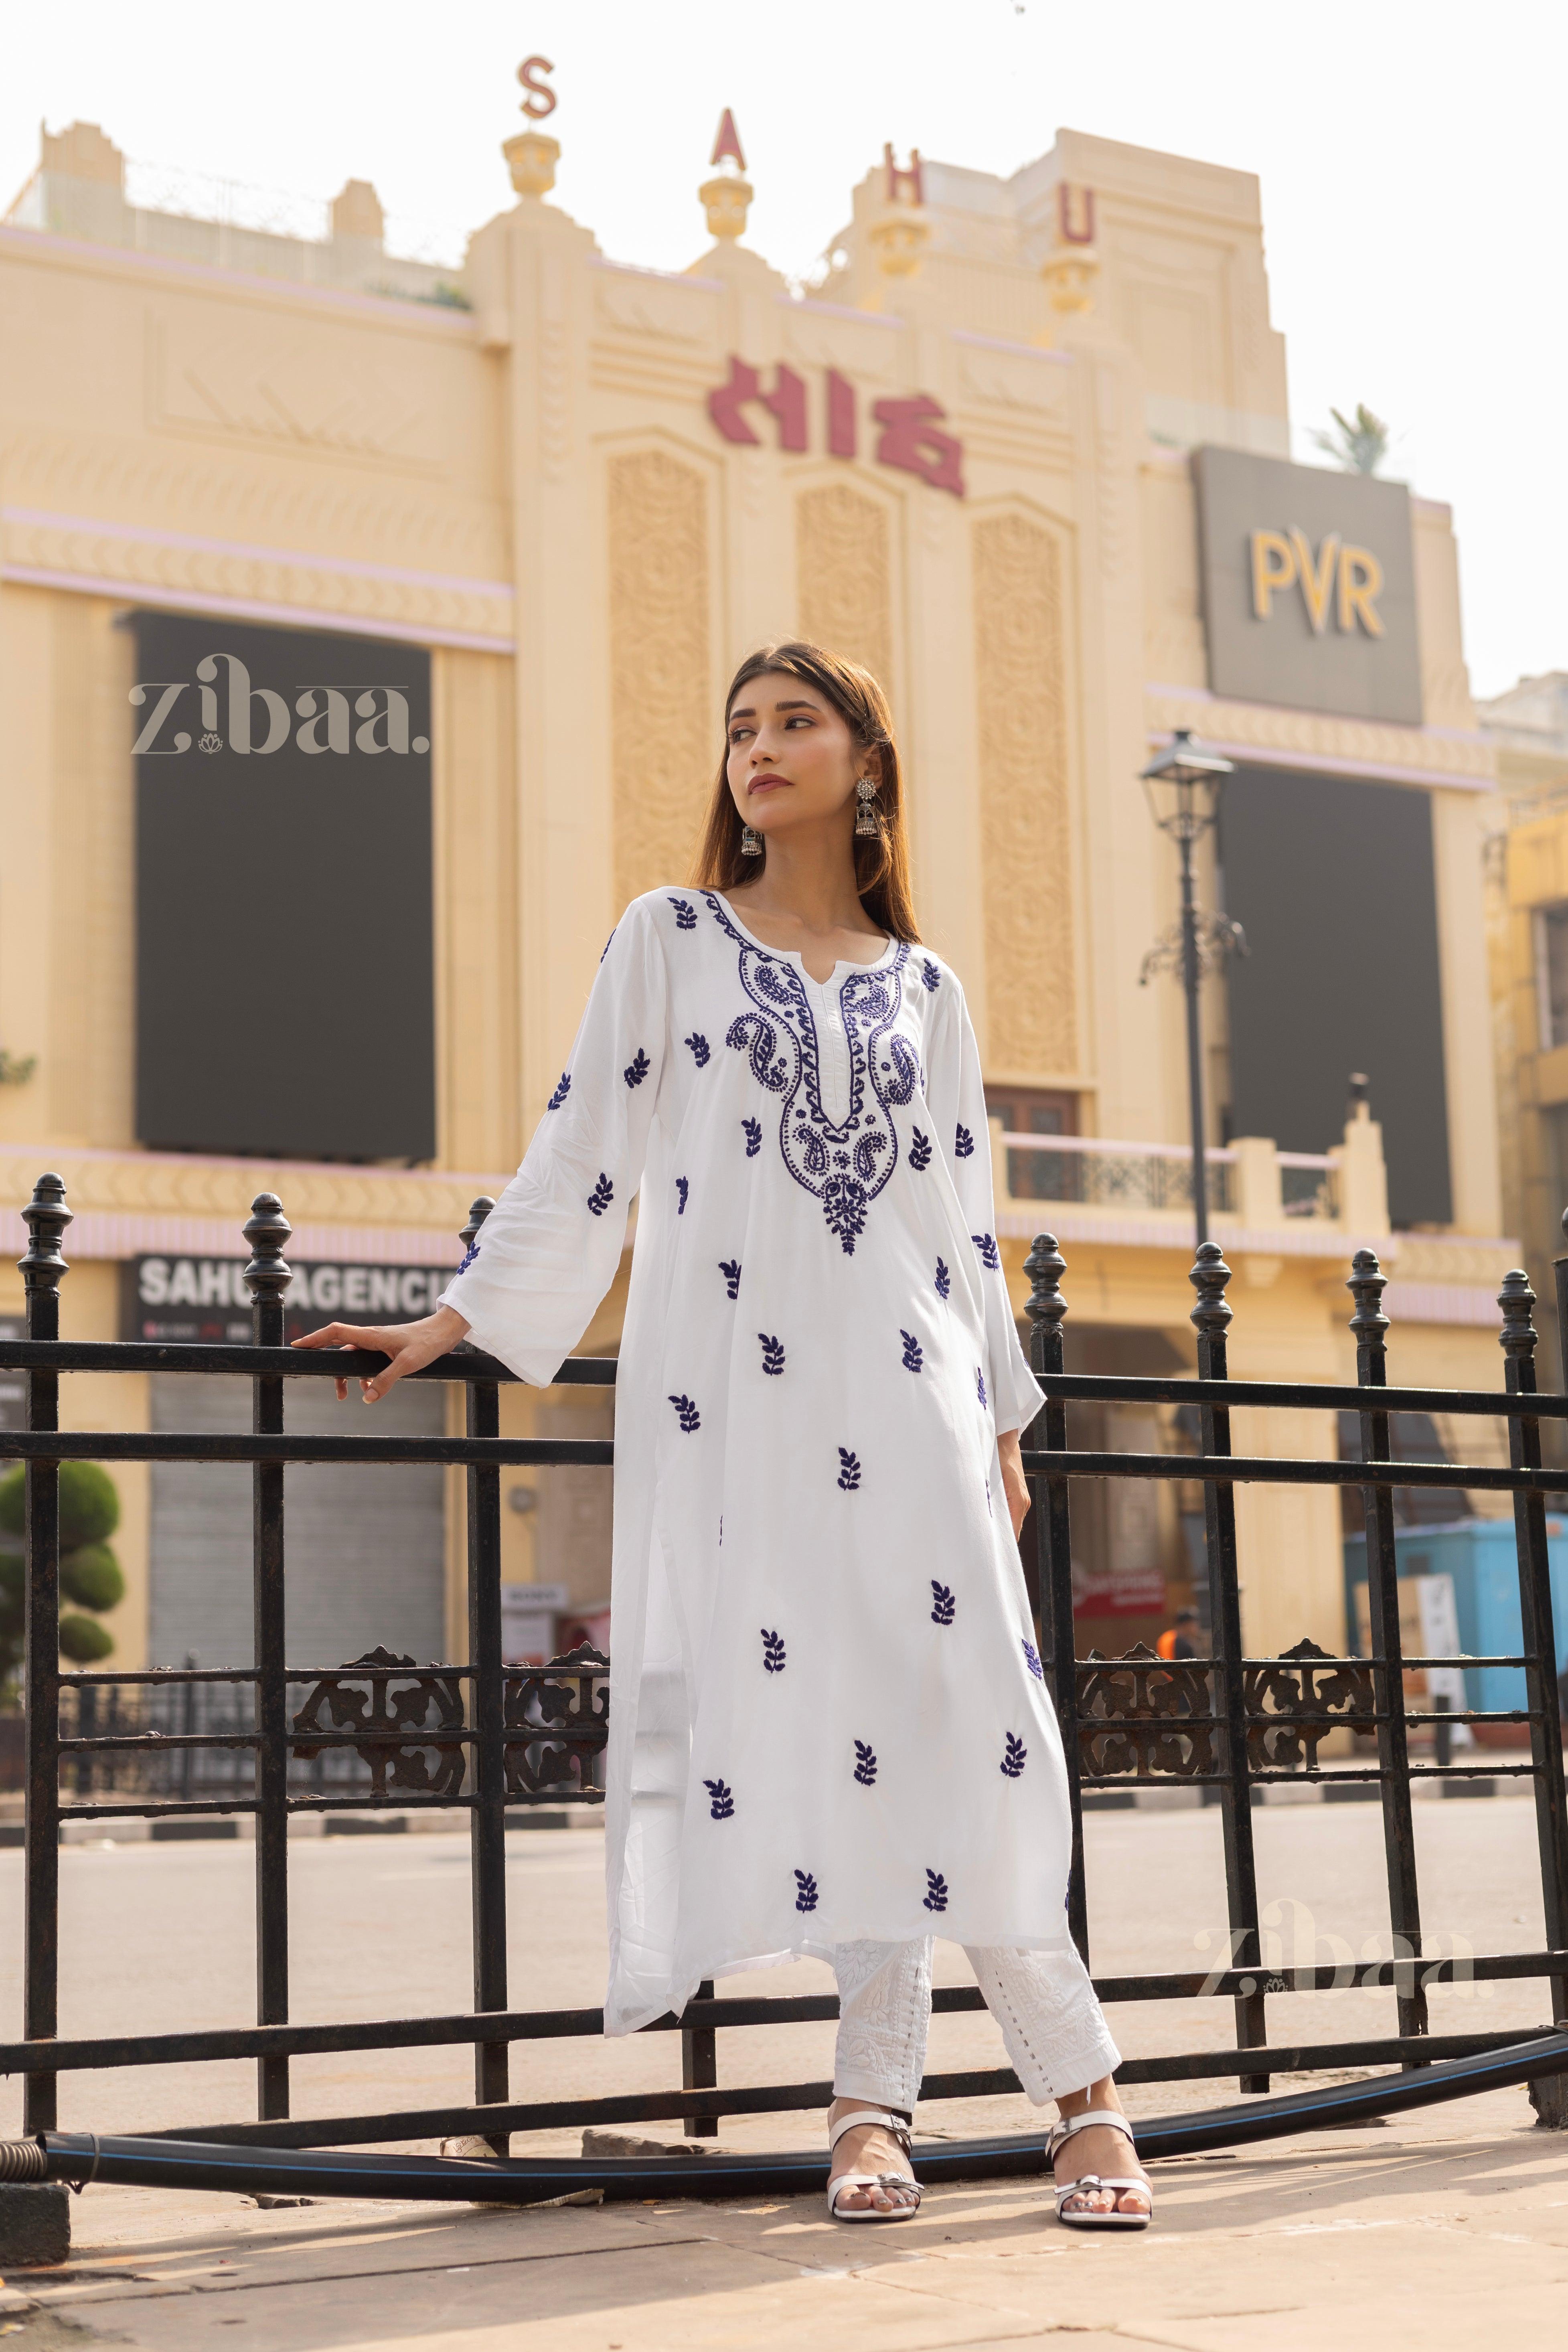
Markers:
(205, 1298)
(1309, 587)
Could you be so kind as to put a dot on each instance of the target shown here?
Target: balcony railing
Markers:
(1248, 1179)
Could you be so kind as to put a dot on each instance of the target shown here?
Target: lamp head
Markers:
(1182, 786)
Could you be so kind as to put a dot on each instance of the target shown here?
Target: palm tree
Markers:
(1359, 445)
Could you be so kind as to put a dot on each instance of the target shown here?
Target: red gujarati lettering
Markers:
(910, 441)
(786, 401)
(840, 415)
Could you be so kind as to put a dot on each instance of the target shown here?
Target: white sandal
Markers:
(1115, 2219)
(884, 2181)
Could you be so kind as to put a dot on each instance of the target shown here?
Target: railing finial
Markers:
(1045, 1267)
(1517, 1298)
(1209, 1276)
(1366, 1283)
(478, 1211)
(268, 1230)
(45, 1217)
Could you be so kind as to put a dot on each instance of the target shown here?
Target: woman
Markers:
(829, 1729)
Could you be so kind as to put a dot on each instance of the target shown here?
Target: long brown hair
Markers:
(882, 861)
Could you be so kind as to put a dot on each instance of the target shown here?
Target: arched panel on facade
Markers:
(662, 727)
(844, 571)
(1026, 824)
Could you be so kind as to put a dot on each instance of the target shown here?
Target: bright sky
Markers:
(1410, 155)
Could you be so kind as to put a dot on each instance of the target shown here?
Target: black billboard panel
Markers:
(204, 1299)
(284, 920)
(1333, 882)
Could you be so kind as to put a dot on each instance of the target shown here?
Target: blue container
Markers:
(1479, 1554)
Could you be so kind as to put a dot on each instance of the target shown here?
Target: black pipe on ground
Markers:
(81, 2157)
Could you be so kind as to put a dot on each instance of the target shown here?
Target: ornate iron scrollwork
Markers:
(422, 1705)
(1293, 1702)
(557, 1720)
(1144, 1716)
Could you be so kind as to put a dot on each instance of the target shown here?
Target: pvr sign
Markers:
(1346, 577)
(908, 437)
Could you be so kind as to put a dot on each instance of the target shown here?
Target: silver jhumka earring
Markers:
(751, 842)
(866, 815)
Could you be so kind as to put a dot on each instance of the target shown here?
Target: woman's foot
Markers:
(1100, 2149)
(869, 2147)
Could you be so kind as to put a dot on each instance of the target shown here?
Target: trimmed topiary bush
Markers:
(89, 1574)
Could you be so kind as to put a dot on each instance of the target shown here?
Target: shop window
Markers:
(1033, 1110)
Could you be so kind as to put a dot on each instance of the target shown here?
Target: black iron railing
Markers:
(484, 1738)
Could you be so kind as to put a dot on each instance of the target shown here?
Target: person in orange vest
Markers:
(1176, 1640)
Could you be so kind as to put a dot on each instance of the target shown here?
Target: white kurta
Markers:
(827, 1717)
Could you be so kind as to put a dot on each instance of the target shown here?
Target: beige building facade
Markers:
(963, 454)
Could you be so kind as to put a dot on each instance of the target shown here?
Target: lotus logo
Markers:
(247, 718)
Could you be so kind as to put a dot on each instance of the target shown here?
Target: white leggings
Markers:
(1051, 2023)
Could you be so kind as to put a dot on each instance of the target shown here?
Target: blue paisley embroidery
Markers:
(963, 1142)
(637, 1068)
(563, 1088)
(700, 1048)
(723, 1804)
(990, 1256)
(845, 1166)
(685, 912)
(930, 975)
(730, 1267)
(919, 1150)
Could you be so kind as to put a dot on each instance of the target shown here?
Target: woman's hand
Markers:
(1014, 1485)
(410, 1346)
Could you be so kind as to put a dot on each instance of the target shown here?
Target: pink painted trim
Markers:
(95, 1236)
(1310, 763)
(333, 563)
(245, 608)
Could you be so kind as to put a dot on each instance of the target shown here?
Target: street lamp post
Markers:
(1183, 790)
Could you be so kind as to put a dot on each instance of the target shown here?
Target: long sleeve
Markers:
(956, 1092)
(549, 1249)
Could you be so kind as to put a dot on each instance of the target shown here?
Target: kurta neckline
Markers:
(793, 955)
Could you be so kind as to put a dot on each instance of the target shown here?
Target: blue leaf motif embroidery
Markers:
(930, 975)
(943, 1280)
(913, 1358)
(963, 1142)
(753, 1127)
(685, 912)
(723, 1804)
(637, 1068)
(943, 1604)
(849, 1470)
(701, 1049)
(920, 1150)
(805, 1891)
(773, 1353)
(936, 1891)
(682, 1186)
(602, 1193)
(605, 951)
(980, 1383)
(865, 1765)
(772, 1652)
(990, 1256)
(563, 1088)
(469, 1254)
(686, 1413)
(1032, 1660)
(1015, 1757)
(730, 1267)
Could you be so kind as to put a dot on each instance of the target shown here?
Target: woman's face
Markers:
(792, 760)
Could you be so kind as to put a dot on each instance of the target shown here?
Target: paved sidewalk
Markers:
(1450, 2233)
